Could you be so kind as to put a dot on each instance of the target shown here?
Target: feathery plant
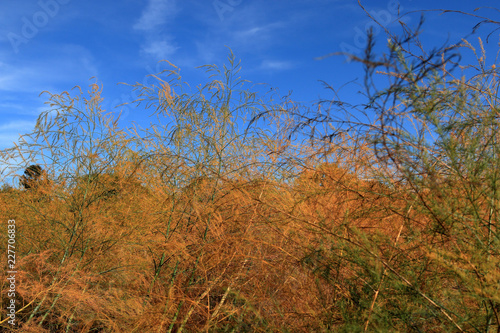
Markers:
(221, 217)
(204, 129)
(433, 134)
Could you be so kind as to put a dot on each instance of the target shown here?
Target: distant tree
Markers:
(31, 177)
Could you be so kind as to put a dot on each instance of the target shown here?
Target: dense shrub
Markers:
(206, 222)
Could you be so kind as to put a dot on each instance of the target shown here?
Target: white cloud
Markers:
(159, 49)
(20, 106)
(153, 22)
(260, 31)
(11, 131)
(72, 63)
(251, 32)
(276, 65)
(16, 126)
(156, 14)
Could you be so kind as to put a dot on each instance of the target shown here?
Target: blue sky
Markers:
(56, 44)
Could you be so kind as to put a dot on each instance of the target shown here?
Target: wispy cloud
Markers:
(156, 14)
(21, 107)
(72, 63)
(276, 65)
(17, 126)
(259, 31)
(153, 23)
(160, 49)
(10, 132)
